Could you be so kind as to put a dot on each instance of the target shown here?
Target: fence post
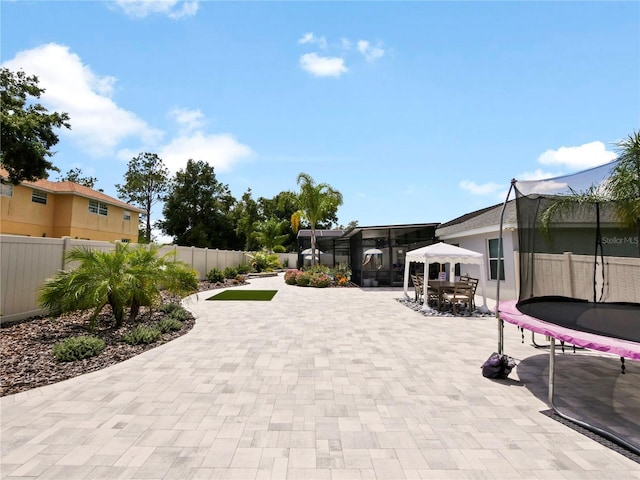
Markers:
(567, 275)
(66, 243)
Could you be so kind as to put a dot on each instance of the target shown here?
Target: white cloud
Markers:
(159, 237)
(188, 120)
(323, 66)
(346, 43)
(578, 158)
(98, 124)
(171, 8)
(489, 188)
(220, 151)
(537, 174)
(310, 38)
(370, 52)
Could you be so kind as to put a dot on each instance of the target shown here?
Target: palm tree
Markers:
(122, 278)
(622, 188)
(315, 202)
(624, 184)
(269, 233)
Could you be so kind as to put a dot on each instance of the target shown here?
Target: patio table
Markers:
(441, 286)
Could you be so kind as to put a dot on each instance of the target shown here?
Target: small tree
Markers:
(146, 184)
(123, 278)
(269, 234)
(316, 203)
(624, 184)
(198, 210)
(27, 130)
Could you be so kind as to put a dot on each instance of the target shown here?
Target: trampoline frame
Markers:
(552, 350)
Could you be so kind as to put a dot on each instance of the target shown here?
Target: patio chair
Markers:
(462, 294)
(474, 283)
(418, 285)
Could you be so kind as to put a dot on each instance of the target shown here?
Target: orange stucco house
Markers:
(65, 209)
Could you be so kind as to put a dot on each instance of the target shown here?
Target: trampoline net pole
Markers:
(500, 321)
(552, 369)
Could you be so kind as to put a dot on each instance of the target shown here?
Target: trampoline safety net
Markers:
(579, 235)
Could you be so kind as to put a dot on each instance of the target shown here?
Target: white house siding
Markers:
(479, 242)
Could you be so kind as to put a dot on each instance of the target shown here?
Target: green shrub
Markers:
(141, 334)
(230, 272)
(303, 279)
(279, 249)
(215, 276)
(169, 325)
(265, 262)
(77, 348)
(342, 269)
(243, 269)
(175, 311)
(318, 269)
(126, 278)
(169, 308)
(320, 280)
(180, 314)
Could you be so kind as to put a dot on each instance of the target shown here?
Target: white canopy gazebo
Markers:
(443, 253)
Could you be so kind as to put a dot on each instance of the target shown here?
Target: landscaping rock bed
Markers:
(26, 348)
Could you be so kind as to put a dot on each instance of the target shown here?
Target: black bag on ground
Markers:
(498, 366)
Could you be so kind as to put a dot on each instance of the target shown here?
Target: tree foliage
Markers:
(622, 187)
(27, 128)
(123, 278)
(246, 214)
(269, 233)
(316, 203)
(75, 175)
(197, 211)
(624, 184)
(146, 183)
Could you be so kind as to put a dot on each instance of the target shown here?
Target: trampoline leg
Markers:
(622, 365)
(522, 333)
(552, 368)
(608, 435)
(500, 336)
(533, 341)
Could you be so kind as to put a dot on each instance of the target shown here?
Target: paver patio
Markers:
(328, 384)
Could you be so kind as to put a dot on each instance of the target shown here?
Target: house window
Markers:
(38, 197)
(493, 259)
(6, 190)
(127, 215)
(98, 207)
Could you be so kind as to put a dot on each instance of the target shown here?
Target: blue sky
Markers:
(415, 111)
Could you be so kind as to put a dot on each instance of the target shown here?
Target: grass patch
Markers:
(251, 295)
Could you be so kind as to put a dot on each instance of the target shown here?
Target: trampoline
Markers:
(579, 266)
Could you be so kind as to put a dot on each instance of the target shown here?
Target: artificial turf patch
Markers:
(250, 295)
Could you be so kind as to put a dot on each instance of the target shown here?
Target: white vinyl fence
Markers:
(26, 262)
(572, 276)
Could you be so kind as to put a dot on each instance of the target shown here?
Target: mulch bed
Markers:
(26, 348)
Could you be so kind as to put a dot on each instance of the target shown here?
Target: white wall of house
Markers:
(479, 242)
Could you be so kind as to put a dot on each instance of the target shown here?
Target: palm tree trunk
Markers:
(313, 246)
(134, 310)
(118, 312)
